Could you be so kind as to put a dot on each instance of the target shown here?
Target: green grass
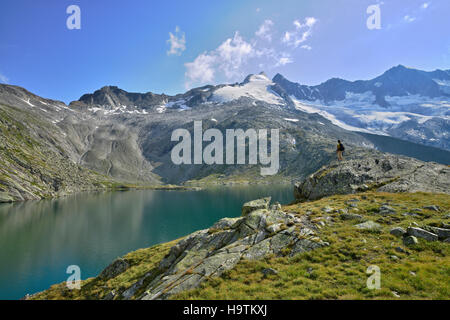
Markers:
(339, 270)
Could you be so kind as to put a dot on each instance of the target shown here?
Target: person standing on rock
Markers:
(340, 149)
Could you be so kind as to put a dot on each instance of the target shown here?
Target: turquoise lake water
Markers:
(40, 239)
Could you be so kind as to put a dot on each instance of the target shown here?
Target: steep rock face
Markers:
(386, 173)
(262, 230)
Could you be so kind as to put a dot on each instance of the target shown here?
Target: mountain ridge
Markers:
(127, 136)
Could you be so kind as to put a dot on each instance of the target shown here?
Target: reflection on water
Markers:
(39, 239)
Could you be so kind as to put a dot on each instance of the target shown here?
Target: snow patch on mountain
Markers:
(109, 110)
(28, 102)
(161, 109)
(325, 111)
(444, 85)
(359, 112)
(256, 87)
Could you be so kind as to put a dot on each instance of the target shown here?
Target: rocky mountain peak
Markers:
(278, 78)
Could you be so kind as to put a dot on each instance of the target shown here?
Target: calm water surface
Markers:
(40, 239)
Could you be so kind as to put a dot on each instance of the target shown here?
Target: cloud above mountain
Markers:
(265, 30)
(3, 79)
(177, 42)
(301, 33)
(236, 56)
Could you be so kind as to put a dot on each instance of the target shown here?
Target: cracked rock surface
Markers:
(263, 230)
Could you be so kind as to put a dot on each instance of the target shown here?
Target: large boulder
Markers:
(388, 173)
(4, 197)
(442, 233)
(368, 225)
(114, 269)
(398, 232)
(421, 233)
(255, 205)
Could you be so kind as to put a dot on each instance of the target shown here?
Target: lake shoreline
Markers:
(41, 238)
(191, 185)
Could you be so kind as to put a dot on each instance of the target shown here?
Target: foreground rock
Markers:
(114, 269)
(263, 230)
(420, 233)
(386, 173)
(368, 225)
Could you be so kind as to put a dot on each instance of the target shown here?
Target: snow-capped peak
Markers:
(255, 86)
(261, 77)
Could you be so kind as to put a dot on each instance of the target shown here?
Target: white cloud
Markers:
(3, 78)
(177, 42)
(236, 57)
(258, 10)
(264, 31)
(201, 69)
(233, 53)
(301, 33)
(425, 5)
(284, 60)
(228, 58)
(409, 19)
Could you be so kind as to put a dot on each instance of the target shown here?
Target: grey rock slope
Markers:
(35, 161)
(262, 230)
(380, 172)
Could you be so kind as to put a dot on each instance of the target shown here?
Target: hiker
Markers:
(340, 149)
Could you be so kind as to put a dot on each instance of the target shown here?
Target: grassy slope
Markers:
(334, 272)
(338, 271)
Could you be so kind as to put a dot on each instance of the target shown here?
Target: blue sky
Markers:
(170, 46)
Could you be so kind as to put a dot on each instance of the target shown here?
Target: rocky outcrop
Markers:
(426, 232)
(386, 173)
(114, 269)
(261, 231)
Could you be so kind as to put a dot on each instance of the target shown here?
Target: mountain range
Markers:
(124, 136)
(406, 103)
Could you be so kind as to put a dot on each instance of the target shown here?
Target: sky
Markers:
(172, 46)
